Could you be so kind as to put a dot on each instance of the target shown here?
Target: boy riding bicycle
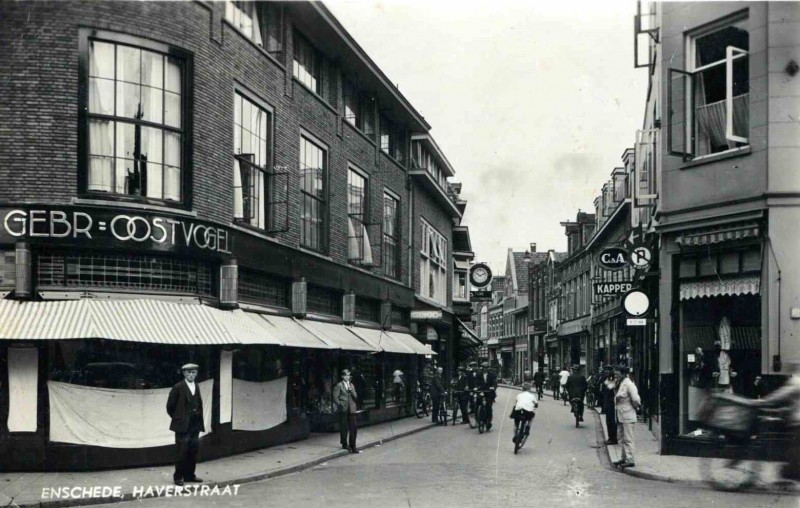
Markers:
(524, 408)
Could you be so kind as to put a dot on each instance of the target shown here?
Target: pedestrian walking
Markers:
(398, 385)
(346, 400)
(608, 385)
(437, 391)
(185, 407)
(462, 387)
(627, 402)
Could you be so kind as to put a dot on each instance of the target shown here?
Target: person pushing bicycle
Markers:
(524, 408)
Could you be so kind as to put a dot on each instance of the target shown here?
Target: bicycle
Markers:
(739, 422)
(422, 402)
(443, 409)
(575, 404)
(564, 394)
(540, 390)
(454, 403)
(522, 432)
(482, 412)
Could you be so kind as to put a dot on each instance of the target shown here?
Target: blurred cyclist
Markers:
(788, 396)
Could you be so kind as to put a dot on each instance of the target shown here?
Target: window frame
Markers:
(267, 170)
(324, 201)
(363, 222)
(85, 35)
(688, 148)
(262, 27)
(391, 271)
(319, 71)
(428, 259)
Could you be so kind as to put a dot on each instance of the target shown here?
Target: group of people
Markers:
(468, 380)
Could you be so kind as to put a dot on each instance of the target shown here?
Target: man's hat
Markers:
(190, 366)
(461, 369)
(473, 364)
(485, 364)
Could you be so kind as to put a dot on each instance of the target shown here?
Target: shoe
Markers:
(488, 427)
(345, 447)
(355, 450)
(627, 464)
(195, 480)
(179, 483)
(618, 462)
(609, 442)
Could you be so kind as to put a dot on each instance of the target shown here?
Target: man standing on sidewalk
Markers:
(608, 384)
(185, 407)
(345, 399)
(627, 401)
(462, 387)
(437, 391)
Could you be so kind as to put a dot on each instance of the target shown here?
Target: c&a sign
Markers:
(103, 227)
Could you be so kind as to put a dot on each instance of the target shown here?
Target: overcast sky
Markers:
(533, 102)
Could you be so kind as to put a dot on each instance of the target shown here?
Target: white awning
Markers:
(382, 340)
(717, 287)
(461, 265)
(290, 333)
(410, 342)
(337, 335)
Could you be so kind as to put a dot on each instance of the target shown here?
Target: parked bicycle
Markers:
(422, 401)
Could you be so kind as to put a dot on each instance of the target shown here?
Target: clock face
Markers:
(480, 275)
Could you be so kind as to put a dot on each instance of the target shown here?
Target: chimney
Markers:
(533, 247)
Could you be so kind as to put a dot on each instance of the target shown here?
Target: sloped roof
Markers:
(498, 282)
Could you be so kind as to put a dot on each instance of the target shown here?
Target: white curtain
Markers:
(23, 389)
(225, 386)
(367, 248)
(259, 406)
(115, 418)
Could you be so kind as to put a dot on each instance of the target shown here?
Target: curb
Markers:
(222, 484)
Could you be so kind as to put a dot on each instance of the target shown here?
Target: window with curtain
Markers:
(358, 108)
(433, 265)
(135, 122)
(252, 126)
(392, 138)
(309, 66)
(391, 236)
(313, 207)
(359, 250)
(261, 22)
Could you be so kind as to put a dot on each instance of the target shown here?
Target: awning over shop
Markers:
(381, 340)
(461, 265)
(140, 320)
(724, 233)
(720, 287)
(742, 337)
(468, 337)
(337, 335)
(411, 343)
(289, 332)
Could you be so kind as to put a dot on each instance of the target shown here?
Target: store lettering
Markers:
(612, 288)
(125, 228)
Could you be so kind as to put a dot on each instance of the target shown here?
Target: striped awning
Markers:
(140, 320)
(381, 340)
(337, 335)
(728, 232)
(468, 337)
(742, 337)
(410, 342)
(290, 333)
(720, 287)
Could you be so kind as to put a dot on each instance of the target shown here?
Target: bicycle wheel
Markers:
(472, 418)
(454, 404)
(481, 418)
(443, 411)
(520, 436)
(418, 408)
(427, 405)
(730, 475)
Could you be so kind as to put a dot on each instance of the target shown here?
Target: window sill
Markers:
(360, 133)
(392, 159)
(317, 96)
(315, 253)
(139, 205)
(248, 227)
(707, 159)
(266, 53)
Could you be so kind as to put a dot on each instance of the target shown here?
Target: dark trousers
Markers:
(489, 404)
(347, 425)
(463, 402)
(579, 406)
(611, 423)
(187, 444)
(436, 400)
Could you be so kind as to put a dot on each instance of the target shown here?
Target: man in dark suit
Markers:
(487, 382)
(185, 407)
(608, 382)
(345, 399)
(437, 392)
(576, 388)
(461, 386)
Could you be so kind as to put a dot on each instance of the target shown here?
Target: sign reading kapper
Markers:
(100, 226)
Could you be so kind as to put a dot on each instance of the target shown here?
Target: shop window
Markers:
(125, 273)
(8, 268)
(688, 267)
(707, 265)
(398, 379)
(751, 260)
(313, 189)
(391, 236)
(136, 121)
(263, 289)
(124, 365)
(366, 377)
(258, 363)
(323, 301)
(261, 22)
(709, 101)
(729, 262)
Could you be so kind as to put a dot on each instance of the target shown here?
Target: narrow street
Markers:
(455, 466)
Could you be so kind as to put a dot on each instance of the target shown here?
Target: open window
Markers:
(709, 101)
(360, 233)
(645, 34)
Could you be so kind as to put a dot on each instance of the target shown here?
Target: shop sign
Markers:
(611, 288)
(537, 326)
(107, 227)
(636, 322)
(480, 296)
(613, 258)
(426, 315)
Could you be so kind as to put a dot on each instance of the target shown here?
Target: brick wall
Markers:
(425, 207)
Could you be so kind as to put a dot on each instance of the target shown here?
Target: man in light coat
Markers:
(345, 401)
(626, 402)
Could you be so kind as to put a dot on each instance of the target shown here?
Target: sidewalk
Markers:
(26, 489)
(651, 465)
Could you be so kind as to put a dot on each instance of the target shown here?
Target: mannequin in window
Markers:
(724, 369)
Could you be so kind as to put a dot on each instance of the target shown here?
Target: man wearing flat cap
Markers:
(185, 407)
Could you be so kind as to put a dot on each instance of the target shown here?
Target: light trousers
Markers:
(625, 438)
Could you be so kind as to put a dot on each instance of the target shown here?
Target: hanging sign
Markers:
(636, 303)
(641, 257)
(613, 258)
(611, 288)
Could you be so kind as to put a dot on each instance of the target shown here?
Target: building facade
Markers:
(233, 184)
